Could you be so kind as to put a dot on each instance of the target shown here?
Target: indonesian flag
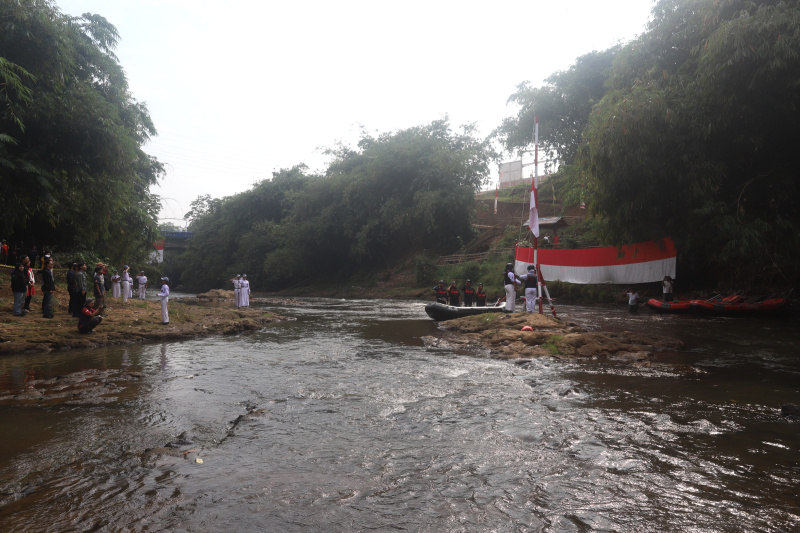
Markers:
(642, 262)
(495, 197)
(533, 219)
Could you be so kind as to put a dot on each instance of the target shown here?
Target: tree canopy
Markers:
(693, 138)
(563, 105)
(391, 195)
(71, 135)
(685, 132)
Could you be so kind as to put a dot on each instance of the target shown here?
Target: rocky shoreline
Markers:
(138, 321)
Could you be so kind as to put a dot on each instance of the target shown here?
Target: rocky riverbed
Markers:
(527, 335)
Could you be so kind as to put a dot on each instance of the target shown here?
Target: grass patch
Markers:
(551, 344)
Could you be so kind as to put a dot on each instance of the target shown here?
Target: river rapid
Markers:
(343, 420)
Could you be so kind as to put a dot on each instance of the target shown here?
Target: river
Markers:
(343, 420)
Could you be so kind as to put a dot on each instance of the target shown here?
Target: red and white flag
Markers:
(642, 262)
(533, 219)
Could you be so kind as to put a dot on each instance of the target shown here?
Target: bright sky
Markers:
(240, 88)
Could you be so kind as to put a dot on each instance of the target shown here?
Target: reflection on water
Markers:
(343, 420)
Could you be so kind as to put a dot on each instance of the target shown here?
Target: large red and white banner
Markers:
(643, 262)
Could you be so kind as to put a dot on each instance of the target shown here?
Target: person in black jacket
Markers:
(48, 287)
(31, 291)
(19, 286)
(480, 296)
(440, 292)
(71, 287)
(469, 293)
(453, 294)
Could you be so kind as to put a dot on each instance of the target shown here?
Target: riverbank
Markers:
(138, 321)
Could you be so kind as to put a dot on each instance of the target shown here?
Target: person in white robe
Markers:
(115, 287)
(244, 292)
(126, 284)
(163, 295)
(237, 286)
(141, 279)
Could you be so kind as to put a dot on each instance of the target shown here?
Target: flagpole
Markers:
(535, 196)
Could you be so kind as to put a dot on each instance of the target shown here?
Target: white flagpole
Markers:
(535, 198)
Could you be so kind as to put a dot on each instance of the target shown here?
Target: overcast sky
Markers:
(240, 88)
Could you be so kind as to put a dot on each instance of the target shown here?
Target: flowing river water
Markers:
(343, 420)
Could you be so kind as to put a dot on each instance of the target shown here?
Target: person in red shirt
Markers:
(89, 317)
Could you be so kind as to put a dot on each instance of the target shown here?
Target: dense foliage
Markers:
(408, 191)
(71, 135)
(694, 137)
(690, 135)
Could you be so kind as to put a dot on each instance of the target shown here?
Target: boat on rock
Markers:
(439, 311)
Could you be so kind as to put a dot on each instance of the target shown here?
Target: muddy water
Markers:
(342, 420)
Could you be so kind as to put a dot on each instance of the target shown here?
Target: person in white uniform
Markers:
(126, 283)
(163, 295)
(510, 283)
(141, 279)
(531, 281)
(244, 292)
(115, 287)
(237, 287)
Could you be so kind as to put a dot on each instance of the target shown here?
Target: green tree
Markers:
(74, 172)
(563, 105)
(695, 138)
(389, 196)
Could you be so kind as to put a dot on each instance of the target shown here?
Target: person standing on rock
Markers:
(115, 287)
(26, 260)
(510, 283)
(99, 288)
(141, 279)
(19, 286)
(80, 289)
(48, 288)
(531, 281)
(237, 287)
(244, 292)
(163, 295)
(71, 287)
(126, 283)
